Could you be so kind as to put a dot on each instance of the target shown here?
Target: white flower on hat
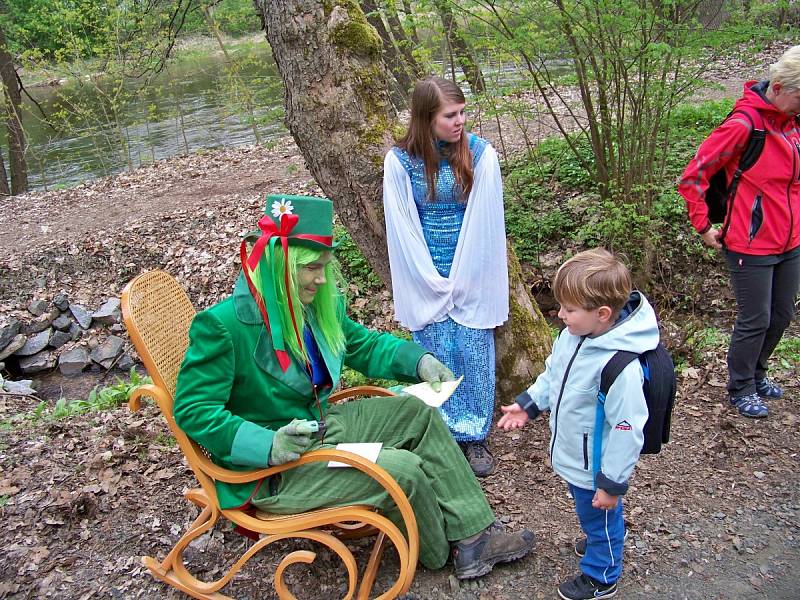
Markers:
(282, 207)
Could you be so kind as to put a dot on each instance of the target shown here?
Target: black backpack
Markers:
(719, 192)
(659, 389)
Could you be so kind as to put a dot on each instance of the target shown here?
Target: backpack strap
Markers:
(748, 158)
(608, 375)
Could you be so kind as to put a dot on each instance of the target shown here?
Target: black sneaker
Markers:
(584, 587)
(479, 457)
(494, 545)
(768, 389)
(580, 545)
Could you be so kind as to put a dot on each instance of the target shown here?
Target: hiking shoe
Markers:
(494, 545)
(479, 457)
(580, 545)
(584, 587)
(750, 406)
(766, 388)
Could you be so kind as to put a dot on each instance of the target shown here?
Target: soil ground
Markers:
(715, 515)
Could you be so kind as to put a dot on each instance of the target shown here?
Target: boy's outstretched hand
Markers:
(602, 499)
(514, 417)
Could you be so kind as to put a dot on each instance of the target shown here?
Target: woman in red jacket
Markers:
(760, 235)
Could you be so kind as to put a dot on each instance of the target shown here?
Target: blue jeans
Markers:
(605, 534)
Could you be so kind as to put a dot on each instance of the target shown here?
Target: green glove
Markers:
(290, 442)
(431, 370)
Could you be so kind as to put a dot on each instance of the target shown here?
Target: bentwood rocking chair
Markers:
(157, 314)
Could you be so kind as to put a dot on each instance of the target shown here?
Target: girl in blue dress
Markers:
(443, 202)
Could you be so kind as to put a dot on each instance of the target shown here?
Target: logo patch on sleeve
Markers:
(623, 426)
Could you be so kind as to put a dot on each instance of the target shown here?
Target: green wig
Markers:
(327, 308)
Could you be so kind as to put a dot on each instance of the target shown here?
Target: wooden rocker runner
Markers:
(157, 314)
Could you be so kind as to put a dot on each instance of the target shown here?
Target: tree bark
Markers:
(339, 114)
(466, 59)
(392, 56)
(16, 135)
(4, 189)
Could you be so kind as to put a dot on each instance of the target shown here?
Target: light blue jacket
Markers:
(568, 389)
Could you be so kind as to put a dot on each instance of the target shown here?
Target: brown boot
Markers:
(494, 545)
(479, 457)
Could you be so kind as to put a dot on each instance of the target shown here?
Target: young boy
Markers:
(602, 315)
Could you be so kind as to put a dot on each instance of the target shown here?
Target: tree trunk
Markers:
(16, 135)
(402, 41)
(339, 114)
(412, 25)
(4, 189)
(472, 71)
(391, 54)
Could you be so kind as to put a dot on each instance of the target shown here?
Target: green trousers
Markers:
(418, 451)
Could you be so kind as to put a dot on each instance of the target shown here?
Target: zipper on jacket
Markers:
(756, 218)
(789, 199)
(561, 393)
(585, 451)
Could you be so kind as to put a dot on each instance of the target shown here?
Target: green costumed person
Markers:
(261, 365)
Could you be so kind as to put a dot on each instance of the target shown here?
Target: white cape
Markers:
(476, 292)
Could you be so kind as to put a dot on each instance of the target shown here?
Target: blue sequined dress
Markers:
(466, 351)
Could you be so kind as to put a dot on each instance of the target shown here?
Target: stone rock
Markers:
(9, 332)
(62, 322)
(35, 343)
(41, 322)
(81, 315)
(117, 328)
(73, 361)
(61, 301)
(2, 367)
(106, 353)
(75, 331)
(15, 344)
(125, 362)
(23, 386)
(59, 338)
(43, 361)
(109, 313)
(38, 307)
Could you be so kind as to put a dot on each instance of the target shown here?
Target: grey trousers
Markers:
(765, 290)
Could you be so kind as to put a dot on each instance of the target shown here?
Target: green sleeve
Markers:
(203, 390)
(380, 355)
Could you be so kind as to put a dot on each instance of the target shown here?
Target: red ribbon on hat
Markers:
(270, 230)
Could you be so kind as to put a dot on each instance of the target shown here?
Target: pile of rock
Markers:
(63, 334)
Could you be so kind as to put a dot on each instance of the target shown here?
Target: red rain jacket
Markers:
(765, 215)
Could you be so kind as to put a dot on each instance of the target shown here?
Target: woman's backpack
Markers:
(720, 192)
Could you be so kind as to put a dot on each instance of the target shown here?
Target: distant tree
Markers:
(15, 133)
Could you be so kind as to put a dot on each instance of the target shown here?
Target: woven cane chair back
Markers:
(160, 314)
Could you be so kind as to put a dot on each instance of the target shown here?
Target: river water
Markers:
(194, 104)
(198, 103)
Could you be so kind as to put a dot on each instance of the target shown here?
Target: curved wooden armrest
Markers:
(153, 391)
(360, 390)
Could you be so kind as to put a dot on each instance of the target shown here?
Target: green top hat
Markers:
(310, 220)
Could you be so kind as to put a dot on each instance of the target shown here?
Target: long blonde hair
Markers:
(429, 96)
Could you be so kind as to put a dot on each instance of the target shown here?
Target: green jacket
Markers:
(231, 394)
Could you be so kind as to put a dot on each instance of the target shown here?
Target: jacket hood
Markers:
(754, 96)
(636, 329)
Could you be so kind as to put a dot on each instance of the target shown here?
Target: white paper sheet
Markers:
(425, 392)
(368, 450)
